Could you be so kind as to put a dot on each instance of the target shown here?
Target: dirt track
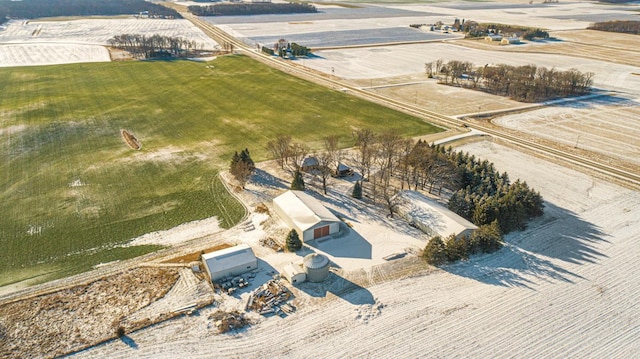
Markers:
(54, 324)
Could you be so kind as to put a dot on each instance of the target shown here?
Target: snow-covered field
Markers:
(27, 43)
(33, 54)
(336, 26)
(401, 60)
(606, 125)
(564, 288)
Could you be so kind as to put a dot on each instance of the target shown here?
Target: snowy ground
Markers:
(607, 125)
(563, 287)
(332, 26)
(27, 43)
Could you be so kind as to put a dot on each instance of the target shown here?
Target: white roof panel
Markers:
(229, 257)
(304, 210)
(436, 216)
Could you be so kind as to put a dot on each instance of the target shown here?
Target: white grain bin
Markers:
(316, 266)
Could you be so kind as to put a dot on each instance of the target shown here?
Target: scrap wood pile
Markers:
(229, 321)
(271, 243)
(270, 298)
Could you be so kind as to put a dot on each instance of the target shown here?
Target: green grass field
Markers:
(72, 192)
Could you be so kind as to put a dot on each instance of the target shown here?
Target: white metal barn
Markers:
(306, 215)
(432, 217)
(229, 261)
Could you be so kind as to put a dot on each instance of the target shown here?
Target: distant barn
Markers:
(510, 40)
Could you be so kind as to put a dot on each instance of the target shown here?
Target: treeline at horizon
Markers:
(626, 27)
(251, 9)
(142, 46)
(33, 9)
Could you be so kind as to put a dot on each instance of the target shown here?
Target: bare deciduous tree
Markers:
(364, 140)
(279, 148)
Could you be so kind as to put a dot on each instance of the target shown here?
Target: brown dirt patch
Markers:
(71, 319)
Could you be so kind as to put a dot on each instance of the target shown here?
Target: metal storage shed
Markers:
(432, 217)
(306, 215)
(229, 262)
(294, 273)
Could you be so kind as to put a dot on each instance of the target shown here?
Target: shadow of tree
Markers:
(533, 254)
(266, 179)
(604, 99)
(129, 341)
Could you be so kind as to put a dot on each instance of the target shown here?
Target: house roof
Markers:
(229, 257)
(431, 213)
(309, 161)
(304, 210)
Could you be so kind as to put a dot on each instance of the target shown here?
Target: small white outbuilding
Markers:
(431, 217)
(306, 215)
(229, 262)
(294, 273)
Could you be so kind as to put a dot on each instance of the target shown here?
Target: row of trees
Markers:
(31, 9)
(474, 29)
(251, 9)
(627, 27)
(479, 193)
(528, 83)
(486, 239)
(142, 46)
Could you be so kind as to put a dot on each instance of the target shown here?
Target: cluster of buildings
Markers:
(312, 220)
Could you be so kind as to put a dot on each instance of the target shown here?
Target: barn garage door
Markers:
(321, 232)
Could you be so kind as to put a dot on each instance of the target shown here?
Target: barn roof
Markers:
(434, 215)
(304, 210)
(229, 257)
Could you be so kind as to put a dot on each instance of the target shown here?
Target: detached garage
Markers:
(229, 262)
(306, 215)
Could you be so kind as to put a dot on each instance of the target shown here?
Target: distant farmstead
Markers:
(431, 217)
(229, 262)
(509, 40)
(306, 215)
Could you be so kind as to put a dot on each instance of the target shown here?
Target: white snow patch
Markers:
(179, 234)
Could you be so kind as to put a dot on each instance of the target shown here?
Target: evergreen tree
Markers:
(487, 238)
(246, 158)
(293, 242)
(456, 248)
(357, 190)
(298, 182)
(241, 167)
(435, 253)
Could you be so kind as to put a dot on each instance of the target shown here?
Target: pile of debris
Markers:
(271, 243)
(225, 322)
(230, 285)
(271, 298)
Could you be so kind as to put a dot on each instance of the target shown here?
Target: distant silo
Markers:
(316, 266)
